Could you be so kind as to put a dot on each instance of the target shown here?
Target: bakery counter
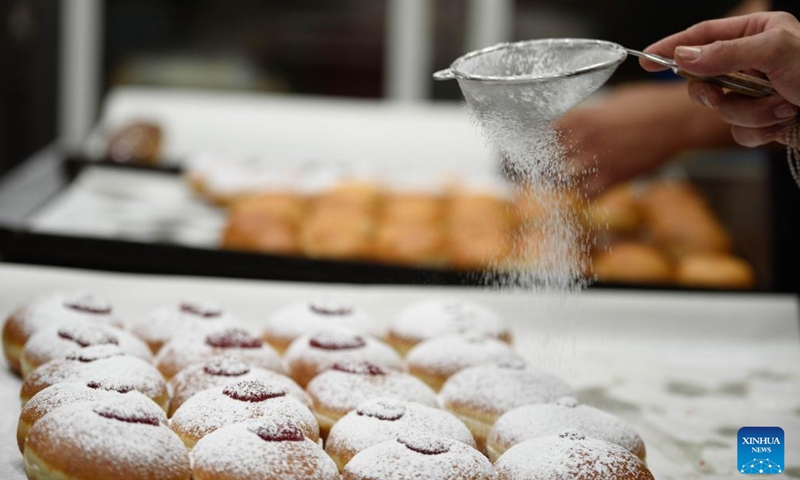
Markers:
(687, 370)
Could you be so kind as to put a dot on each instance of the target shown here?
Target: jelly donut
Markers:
(309, 317)
(541, 420)
(57, 309)
(64, 340)
(570, 454)
(104, 364)
(311, 354)
(180, 353)
(262, 449)
(437, 318)
(480, 395)
(415, 455)
(381, 419)
(341, 389)
(218, 407)
(165, 323)
(63, 394)
(435, 360)
(223, 370)
(120, 440)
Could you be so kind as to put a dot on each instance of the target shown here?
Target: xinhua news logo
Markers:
(761, 450)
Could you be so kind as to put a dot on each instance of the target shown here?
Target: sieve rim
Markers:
(535, 78)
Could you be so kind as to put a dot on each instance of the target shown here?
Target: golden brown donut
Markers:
(68, 393)
(55, 309)
(437, 318)
(479, 395)
(104, 440)
(434, 361)
(189, 315)
(413, 208)
(338, 234)
(633, 263)
(263, 449)
(381, 419)
(487, 244)
(714, 271)
(64, 340)
(680, 220)
(337, 391)
(222, 370)
(218, 407)
(414, 456)
(542, 420)
(265, 223)
(410, 243)
(309, 355)
(570, 455)
(617, 209)
(105, 364)
(350, 195)
(182, 352)
(307, 317)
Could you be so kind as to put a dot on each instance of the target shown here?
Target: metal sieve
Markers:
(534, 81)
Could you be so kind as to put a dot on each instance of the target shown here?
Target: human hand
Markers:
(634, 130)
(766, 44)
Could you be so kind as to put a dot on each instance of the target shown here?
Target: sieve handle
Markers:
(737, 82)
(445, 74)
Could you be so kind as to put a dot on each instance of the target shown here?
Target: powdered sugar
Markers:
(393, 460)
(303, 318)
(116, 370)
(338, 391)
(311, 354)
(381, 419)
(64, 340)
(185, 351)
(76, 436)
(569, 456)
(63, 308)
(197, 316)
(435, 318)
(196, 378)
(445, 356)
(212, 409)
(533, 421)
(239, 453)
(494, 390)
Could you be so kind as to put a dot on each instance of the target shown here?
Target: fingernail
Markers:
(688, 53)
(785, 110)
(706, 101)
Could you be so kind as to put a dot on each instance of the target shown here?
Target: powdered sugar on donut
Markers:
(381, 419)
(393, 460)
(496, 390)
(121, 449)
(445, 356)
(340, 391)
(196, 378)
(196, 316)
(308, 317)
(431, 319)
(533, 421)
(569, 456)
(64, 308)
(212, 409)
(238, 452)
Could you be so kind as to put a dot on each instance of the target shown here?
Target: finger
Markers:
(755, 137)
(742, 110)
(765, 52)
(702, 34)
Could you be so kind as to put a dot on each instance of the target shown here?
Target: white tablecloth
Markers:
(687, 370)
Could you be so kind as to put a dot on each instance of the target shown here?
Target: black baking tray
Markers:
(18, 244)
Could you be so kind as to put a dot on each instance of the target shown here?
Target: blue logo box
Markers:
(761, 450)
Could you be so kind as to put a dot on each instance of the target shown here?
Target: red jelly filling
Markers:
(127, 415)
(200, 309)
(111, 388)
(359, 368)
(87, 303)
(278, 432)
(337, 341)
(233, 338)
(253, 391)
(331, 309)
(425, 445)
(85, 336)
(382, 410)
